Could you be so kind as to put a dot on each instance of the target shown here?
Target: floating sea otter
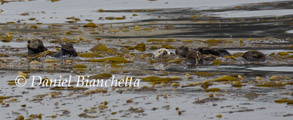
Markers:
(193, 58)
(216, 52)
(199, 55)
(66, 50)
(35, 46)
(161, 53)
(182, 51)
(254, 56)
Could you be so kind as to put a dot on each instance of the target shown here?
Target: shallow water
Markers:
(247, 90)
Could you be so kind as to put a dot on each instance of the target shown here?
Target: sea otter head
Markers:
(35, 46)
(68, 49)
(182, 51)
(161, 52)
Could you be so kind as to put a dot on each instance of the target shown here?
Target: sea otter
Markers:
(182, 51)
(161, 53)
(254, 56)
(66, 50)
(35, 46)
(193, 58)
(216, 52)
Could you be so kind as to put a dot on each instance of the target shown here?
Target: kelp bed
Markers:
(227, 88)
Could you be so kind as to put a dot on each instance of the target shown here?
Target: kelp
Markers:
(223, 79)
(157, 80)
(101, 76)
(140, 47)
(110, 59)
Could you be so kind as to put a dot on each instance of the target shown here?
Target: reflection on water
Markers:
(276, 69)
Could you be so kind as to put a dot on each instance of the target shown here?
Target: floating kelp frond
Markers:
(91, 24)
(101, 76)
(213, 90)
(223, 78)
(156, 79)
(140, 47)
(111, 59)
(79, 66)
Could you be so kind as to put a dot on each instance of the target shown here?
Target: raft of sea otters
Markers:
(199, 56)
(194, 56)
(36, 46)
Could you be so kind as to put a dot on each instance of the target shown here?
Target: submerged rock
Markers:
(66, 50)
(254, 56)
(35, 46)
